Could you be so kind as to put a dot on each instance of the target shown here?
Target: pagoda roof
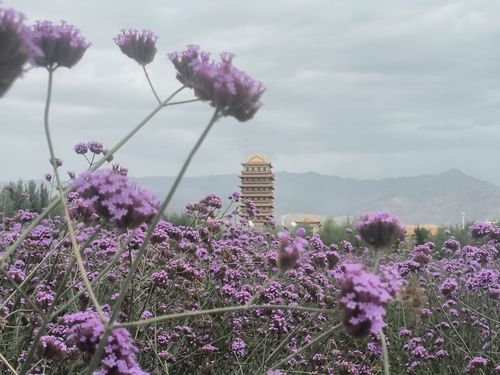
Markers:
(256, 159)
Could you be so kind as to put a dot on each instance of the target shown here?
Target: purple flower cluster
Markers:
(225, 87)
(139, 45)
(249, 208)
(114, 197)
(289, 251)
(205, 208)
(449, 286)
(60, 45)
(52, 347)
(16, 47)
(85, 330)
(482, 230)
(380, 229)
(217, 262)
(363, 300)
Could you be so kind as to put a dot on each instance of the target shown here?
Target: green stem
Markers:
(307, 346)
(9, 366)
(182, 102)
(151, 84)
(383, 341)
(133, 268)
(447, 317)
(21, 292)
(220, 310)
(74, 243)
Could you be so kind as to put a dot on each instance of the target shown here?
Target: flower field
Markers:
(98, 282)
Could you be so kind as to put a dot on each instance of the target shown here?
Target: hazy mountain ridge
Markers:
(438, 199)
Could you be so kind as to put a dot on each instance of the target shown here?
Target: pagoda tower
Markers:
(257, 184)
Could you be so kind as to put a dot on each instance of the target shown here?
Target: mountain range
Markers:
(425, 199)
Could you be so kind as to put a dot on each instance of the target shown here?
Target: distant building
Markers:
(257, 184)
(310, 221)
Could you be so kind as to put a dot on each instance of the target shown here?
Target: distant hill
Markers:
(437, 199)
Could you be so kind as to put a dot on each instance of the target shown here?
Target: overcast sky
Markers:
(364, 89)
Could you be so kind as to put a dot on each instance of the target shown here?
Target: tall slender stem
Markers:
(133, 268)
(151, 84)
(9, 366)
(307, 346)
(221, 310)
(383, 341)
(74, 243)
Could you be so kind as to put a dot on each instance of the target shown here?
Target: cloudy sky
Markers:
(364, 89)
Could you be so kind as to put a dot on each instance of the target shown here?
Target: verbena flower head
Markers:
(380, 229)
(52, 347)
(475, 364)
(289, 250)
(139, 45)
(115, 198)
(81, 148)
(16, 47)
(61, 45)
(449, 286)
(185, 61)
(95, 147)
(85, 330)
(250, 210)
(363, 299)
(225, 87)
(480, 230)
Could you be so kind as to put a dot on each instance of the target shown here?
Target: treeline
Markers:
(332, 231)
(21, 195)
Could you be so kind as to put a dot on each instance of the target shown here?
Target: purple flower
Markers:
(235, 196)
(115, 198)
(56, 162)
(421, 254)
(363, 299)
(95, 147)
(300, 232)
(61, 45)
(185, 61)
(85, 330)
(449, 286)
(230, 90)
(484, 279)
(81, 148)
(452, 244)
(16, 47)
(476, 363)
(480, 230)
(250, 209)
(289, 251)
(139, 45)
(404, 332)
(52, 347)
(208, 349)
(225, 87)
(238, 347)
(380, 229)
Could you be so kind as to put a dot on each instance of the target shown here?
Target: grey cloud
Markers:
(360, 89)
